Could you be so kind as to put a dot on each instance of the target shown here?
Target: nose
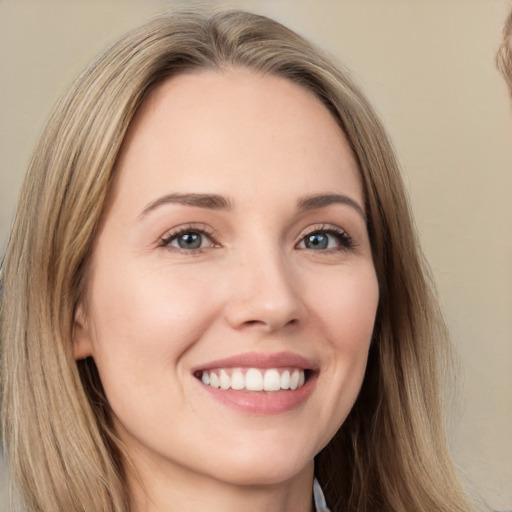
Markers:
(263, 293)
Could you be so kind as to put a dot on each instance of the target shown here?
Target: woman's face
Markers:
(233, 255)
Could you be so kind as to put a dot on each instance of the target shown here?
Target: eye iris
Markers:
(189, 241)
(317, 241)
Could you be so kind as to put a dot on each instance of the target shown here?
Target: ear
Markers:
(82, 341)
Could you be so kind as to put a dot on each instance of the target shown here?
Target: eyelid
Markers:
(346, 241)
(321, 227)
(175, 232)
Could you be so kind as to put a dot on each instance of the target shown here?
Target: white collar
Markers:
(318, 496)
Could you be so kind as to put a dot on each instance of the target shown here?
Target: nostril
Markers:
(261, 323)
(254, 312)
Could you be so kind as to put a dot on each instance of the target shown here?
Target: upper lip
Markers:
(261, 360)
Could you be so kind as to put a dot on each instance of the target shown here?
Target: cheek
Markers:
(352, 320)
(144, 323)
(142, 316)
(346, 304)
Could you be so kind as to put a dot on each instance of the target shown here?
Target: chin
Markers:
(256, 467)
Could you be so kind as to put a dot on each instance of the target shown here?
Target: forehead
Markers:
(211, 129)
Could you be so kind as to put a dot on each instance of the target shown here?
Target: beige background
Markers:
(429, 68)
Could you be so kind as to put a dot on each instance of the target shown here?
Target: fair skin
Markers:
(234, 243)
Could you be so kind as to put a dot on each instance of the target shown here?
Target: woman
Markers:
(213, 290)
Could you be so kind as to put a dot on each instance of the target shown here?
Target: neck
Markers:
(158, 490)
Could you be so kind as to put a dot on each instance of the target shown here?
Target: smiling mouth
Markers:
(254, 379)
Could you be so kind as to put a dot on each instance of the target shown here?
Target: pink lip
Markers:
(259, 360)
(263, 402)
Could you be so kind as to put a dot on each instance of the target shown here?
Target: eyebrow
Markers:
(313, 202)
(217, 202)
(210, 201)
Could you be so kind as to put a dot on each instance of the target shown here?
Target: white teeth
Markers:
(272, 381)
(237, 380)
(302, 379)
(294, 380)
(225, 381)
(254, 379)
(214, 380)
(285, 380)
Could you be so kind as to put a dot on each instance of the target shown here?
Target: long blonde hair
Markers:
(64, 456)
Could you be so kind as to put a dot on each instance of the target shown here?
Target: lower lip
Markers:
(263, 402)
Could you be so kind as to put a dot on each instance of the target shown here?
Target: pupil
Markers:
(317, 241)
(190, 241)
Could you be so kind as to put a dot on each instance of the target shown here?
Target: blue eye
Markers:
(326, 239)
(187, 240)
(317, 241)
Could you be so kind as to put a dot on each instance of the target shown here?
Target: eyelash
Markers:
(184, 230)
(345, 240)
